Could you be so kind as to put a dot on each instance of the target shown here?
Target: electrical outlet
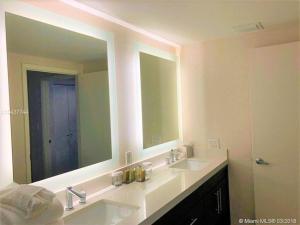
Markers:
(213, 143)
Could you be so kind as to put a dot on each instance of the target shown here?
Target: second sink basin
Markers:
(103, 212)
(190, 164)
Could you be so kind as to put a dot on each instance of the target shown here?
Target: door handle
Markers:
(220, 199)
(260, 161)
(194, 221)
(218, 202)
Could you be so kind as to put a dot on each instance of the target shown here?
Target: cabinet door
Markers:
(212, 207)
(224, 203)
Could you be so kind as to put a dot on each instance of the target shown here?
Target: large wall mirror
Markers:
(159, 100)
(59, 97)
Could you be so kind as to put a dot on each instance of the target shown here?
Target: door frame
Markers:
(37, 68)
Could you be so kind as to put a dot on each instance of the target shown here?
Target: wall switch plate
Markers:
(213, 143)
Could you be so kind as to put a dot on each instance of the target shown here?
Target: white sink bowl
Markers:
(190, 164)
(103, 212)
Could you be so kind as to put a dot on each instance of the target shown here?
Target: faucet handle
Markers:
(168, 160)
(82, 200)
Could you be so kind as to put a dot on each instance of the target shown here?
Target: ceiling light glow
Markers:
(115, 20)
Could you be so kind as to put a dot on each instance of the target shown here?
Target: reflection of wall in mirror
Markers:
(94, 119)
(15, 62)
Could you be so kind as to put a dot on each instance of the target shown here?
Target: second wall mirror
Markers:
(159, 96)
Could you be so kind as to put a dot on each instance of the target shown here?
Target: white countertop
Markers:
(166, 188)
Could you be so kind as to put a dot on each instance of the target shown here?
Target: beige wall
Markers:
(15, 77)
(215, 89)
(95, 66)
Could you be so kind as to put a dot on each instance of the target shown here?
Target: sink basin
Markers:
(103, 212)
(190, 164)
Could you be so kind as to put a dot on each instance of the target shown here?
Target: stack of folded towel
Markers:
(29, 205)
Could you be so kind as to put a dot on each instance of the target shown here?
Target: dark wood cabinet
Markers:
(208, 205)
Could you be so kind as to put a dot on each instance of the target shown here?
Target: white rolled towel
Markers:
(29, 205)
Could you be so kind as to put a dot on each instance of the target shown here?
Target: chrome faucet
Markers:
(175, 155)
(69, 198)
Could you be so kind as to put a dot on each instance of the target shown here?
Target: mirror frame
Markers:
(167, 146)
(77, 176)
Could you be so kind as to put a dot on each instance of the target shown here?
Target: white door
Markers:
(275, 120)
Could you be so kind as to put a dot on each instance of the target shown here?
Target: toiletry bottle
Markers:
(117, 178)
(131, 174)
(148, 170)
(126, 176)
(140, 174)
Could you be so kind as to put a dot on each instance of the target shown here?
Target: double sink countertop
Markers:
(144, 203)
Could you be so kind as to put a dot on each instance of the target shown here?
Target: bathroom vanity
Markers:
(189, 192)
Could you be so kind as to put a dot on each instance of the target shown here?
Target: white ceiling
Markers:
(185, 21)
(35, 38)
